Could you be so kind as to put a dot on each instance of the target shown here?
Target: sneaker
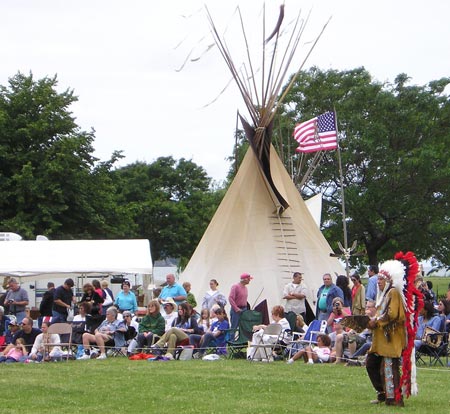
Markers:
(94, 355)
(169, 356)
(102, 356)
(85, 356)
(290, 361)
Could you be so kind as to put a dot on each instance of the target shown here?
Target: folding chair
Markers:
(238, 339)
(315, 328)
(64, 330)
(266, 344)
(435, 347)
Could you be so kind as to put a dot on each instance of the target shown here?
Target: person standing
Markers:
(108, 296)
(327, 292)
(16, 299)
(62, 301)
(371, 291)
(238, 299)
(213, 296)
(389, 337)
(190, 298)
(295, 294)
(46, 305)
(126, 299)
(358, 296)
(172, 290)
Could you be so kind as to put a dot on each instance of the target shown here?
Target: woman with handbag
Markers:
(427, 319)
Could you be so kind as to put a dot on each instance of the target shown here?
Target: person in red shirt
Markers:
(238, 299)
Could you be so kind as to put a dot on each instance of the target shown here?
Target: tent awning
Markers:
(32, 258)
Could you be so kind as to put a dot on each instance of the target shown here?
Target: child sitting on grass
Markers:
(315, 353)
(14, 354)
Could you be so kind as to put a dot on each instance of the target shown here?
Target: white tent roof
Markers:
(31, 258)
(246, 235)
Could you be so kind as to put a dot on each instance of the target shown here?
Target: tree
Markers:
(394, 141)
(49, 180)
(170, 201)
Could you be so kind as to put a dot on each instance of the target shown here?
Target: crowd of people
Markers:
(172, 321)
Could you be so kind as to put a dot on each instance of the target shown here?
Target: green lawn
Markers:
(118, 385)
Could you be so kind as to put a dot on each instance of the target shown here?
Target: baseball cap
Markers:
(246, 276)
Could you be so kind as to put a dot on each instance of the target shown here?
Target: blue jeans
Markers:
(235, 316)
(58, 317)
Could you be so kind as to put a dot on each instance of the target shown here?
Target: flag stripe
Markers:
(317, 134)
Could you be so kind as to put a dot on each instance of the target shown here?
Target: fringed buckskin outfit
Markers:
(389, 340)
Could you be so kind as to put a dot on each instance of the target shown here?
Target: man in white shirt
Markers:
(295, 294)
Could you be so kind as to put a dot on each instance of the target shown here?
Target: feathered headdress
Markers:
(413, 303)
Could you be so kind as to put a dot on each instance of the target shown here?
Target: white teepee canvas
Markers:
(247, 235)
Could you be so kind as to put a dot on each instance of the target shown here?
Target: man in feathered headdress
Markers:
(394, 328)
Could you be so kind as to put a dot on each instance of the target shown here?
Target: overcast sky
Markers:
(121, 59)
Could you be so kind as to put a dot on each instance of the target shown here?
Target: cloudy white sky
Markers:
(120, 57)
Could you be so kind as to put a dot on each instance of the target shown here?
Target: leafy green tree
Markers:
(394, 142)
(170, 201)
(49, 180)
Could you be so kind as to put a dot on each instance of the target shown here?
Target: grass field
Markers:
(118, 385)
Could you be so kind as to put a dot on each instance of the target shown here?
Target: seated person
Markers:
(27, 332)
(152, 325)
(38, 352)
(204, 322)
(427, 318)
(338, 312)
(169, 313)
(183, 326)
(13, 328)
(131, 324)
(444, 312)
(79, 322)
(93, 298)
(111, 329)
(84, 309)
(253, 352)
(214, 336)
(212, 313)
(314, 353)
(16, 353)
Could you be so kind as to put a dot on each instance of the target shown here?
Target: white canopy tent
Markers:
(74, 257)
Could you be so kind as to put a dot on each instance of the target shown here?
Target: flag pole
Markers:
(344, 221)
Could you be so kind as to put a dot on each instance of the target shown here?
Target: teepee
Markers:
(247, 235)
(262, 225)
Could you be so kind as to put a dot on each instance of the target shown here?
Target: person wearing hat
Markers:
(126, 299)
(27, 332)
(295, 294)
(169, 313)
(13, 328)
(46, 305)
(358, 296)
(238, 299)
(389, 336)
(16, 299)
(63, 298)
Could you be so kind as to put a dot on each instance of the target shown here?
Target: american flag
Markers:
(317, 134)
